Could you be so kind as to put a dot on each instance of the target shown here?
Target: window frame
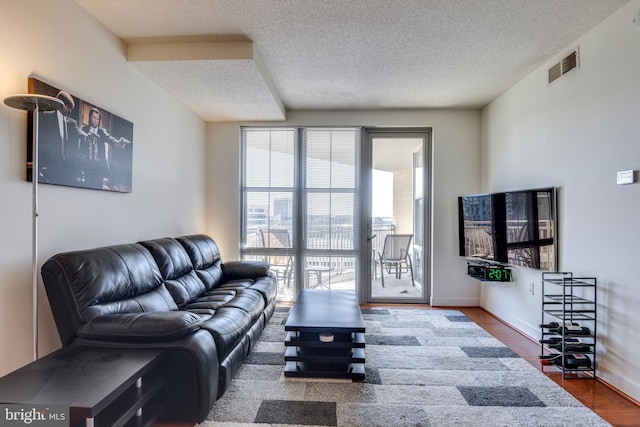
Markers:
(299, 249)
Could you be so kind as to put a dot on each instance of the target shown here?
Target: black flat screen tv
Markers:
(515, 228)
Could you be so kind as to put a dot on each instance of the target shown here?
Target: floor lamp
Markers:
(35, 103)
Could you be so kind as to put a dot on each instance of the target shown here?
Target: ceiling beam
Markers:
(217, 78)
(193, 50)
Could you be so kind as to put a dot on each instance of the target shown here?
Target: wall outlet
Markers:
(532, 288)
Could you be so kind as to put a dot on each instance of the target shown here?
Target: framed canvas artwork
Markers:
(81, 145)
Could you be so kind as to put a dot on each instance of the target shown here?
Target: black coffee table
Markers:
(326, 336)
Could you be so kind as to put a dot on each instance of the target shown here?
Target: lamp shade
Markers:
(33, 102)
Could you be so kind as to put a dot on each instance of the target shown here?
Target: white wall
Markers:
(575, 134)
(456, 147)
(403, 200)
(62, 45)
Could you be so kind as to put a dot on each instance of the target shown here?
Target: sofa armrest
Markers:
(155, 326)
(190, 369)
(235, 270)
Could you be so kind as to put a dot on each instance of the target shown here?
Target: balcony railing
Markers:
(320, 270)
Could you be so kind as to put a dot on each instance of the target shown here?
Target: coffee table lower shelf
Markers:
(355, 371)
(307, 357)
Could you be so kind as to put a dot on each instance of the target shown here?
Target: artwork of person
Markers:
(97, 152)
(80, 145)
(59, 143)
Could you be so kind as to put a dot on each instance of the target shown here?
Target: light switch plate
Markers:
(625, 177)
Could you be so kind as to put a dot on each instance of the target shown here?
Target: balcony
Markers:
(335, 272)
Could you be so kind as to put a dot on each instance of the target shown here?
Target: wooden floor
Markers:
(614, 407)
(603, 400)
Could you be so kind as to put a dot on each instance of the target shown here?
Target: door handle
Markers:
(370, 238)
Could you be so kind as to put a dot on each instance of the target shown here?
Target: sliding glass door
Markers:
(397, 233)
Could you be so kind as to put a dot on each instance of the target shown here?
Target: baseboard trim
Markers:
(454, 302)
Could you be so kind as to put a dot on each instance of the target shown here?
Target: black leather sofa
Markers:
(173, 294)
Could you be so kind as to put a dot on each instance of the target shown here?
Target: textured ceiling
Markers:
(346, 54)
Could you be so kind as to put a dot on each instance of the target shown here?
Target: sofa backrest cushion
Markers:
(170, 256)
(82, 285)
(205, 257)
(176, 269)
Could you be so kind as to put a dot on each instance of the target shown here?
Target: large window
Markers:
(300, 195)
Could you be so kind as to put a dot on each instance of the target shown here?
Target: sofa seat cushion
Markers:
(236, 284)
(206, 305)
(213, 299)
(156, 326)
(228, 326)
(266, 286)
(249, 301)
(243, 299)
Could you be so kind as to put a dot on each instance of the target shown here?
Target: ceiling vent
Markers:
(567, 64)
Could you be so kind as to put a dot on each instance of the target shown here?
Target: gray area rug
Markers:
(423, 368)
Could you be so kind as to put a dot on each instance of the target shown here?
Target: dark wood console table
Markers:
(101, 387)
(325, 336)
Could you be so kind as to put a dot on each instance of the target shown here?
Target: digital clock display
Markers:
(497, 274)
(489, 273)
